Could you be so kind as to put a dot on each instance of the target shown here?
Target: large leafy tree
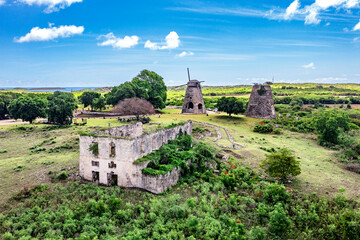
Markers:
(87, 98)
(117, 94)
(5, 99)
(281, 164)
(99, 103)
(329, 124)
(154, 85)
(27, 108)
(60, 107)
(230, 105)
(146, 85)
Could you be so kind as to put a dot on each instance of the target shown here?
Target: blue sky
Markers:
(97, 43)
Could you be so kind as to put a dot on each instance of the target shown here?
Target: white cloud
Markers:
(312, 12)
(357, 27)
(2, 2)
(171, 41)
(183, 54)
(115, 42)
(45, 34)
(52, 5)
(314, 9)
(357, 39)
(292, 9)
(309, 66)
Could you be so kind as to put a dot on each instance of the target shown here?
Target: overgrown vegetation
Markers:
(94, 148)
(236, 204)
(181, 152)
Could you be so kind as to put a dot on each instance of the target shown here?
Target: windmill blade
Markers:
(180, 85)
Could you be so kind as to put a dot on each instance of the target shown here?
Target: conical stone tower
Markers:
(261, 103)
(193, 102)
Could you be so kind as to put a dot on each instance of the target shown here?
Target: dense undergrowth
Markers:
(181, 152)
(236, 204)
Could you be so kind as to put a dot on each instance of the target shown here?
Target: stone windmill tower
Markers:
(261, 103)
(193, 101)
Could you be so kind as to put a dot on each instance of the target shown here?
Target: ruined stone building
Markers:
(193, 101)
(261, 103)
(107, 157)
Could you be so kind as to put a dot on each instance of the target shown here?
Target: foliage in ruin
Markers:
(262, 90)
(94, 148)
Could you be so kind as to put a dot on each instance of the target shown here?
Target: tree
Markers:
(60, 107)
(5, 99)
(329, 124)
(99, 103)
(117, 94)
(281, 164)
(230, 105)
(87, 98)
(134, 106)
(146, 85)
(154, 85)
(27, 108)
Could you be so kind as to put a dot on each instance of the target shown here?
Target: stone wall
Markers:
(117, 155)
(130, 131)
(261, 104)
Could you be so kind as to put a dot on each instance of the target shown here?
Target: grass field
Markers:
(321, 172)
(20, 167)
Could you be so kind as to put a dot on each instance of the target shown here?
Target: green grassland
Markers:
(320, 171)
(21, 167)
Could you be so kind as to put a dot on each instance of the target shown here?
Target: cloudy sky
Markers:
(75, 43)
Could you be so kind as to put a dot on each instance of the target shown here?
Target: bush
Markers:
(329, 124)
(62, 176)
(281, 164)
(279, 222)
(263, 128)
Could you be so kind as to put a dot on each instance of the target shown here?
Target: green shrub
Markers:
(263, 128)
(279, 222)
(7, 236)
(281, 164)
(62, 176)
(329, 124)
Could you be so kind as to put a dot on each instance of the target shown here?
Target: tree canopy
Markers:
(230, 105)
(147, 85)
(87, 98)
(60, 107)
(98, 103)
(5, 99)
(27, 108)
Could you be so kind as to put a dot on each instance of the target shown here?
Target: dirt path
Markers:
(216, 128)
(10, 122)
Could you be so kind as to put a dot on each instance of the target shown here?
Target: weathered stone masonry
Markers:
(119, 148)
